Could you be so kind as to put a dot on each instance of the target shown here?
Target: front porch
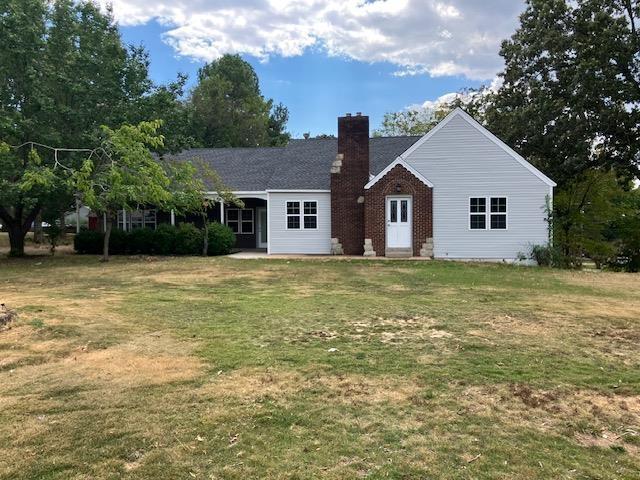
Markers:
(248, 223)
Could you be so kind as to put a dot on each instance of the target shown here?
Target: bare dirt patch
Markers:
(398, 330)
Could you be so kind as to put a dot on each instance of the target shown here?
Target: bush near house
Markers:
(185, 239)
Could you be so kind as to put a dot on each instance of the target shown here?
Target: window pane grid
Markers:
(394, 211)
(478, 205)
(495, 218)
(240, 221)
(302, 215)
(499, 205)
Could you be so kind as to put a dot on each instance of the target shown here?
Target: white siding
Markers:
(462, 162)
(303, 241)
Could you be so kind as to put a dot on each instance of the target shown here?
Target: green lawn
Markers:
(170, 368)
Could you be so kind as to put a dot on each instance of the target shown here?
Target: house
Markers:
(457, 192)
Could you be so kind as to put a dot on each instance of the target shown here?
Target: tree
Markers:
(64, 72)
(412, 121)
(190, 181)
(124, 174)
(570, 99)
(229, 110)
(25, 184)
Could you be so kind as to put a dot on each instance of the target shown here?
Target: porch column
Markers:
(124, 220)
(173, 218)
(77, 215)
(221, 212)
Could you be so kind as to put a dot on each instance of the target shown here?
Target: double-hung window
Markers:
(302, 215)
(478, 213)
(488, 213)
(498, 213)
(137, 219)
(240, 220)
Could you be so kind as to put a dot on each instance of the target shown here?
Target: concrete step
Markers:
(398, 252)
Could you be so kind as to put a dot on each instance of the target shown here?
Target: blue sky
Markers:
(323, 58)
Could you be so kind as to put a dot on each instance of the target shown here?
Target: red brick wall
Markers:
(347, 215)
(375, 197)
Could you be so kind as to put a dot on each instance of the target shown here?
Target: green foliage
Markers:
(221, 239)
(185, 239)
(584, 211)
(551, 256)
(414, 121)
(126, 174)
(570, 101)
(188, 240)
(165, 239)
(140, 240)
(54, 233)
(64, 71)
(88, 242)
(229, 110)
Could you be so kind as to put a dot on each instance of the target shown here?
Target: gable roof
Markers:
(401, 162)
(459, 112)
(300, 165)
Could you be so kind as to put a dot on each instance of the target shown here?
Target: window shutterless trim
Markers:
(300, 214)
(240, 221)
(487, 213)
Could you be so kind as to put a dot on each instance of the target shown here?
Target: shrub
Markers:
(141, 241)
(188, 240)
(221, 239)
(542, 255)
(118, 242)
(88, 242)
(164, 239)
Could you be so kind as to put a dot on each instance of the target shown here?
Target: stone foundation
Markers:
(336, 247)
(368, 248)
(427, 248)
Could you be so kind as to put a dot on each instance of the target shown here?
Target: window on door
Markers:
(399, 211)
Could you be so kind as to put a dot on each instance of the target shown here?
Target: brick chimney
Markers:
(349, 175)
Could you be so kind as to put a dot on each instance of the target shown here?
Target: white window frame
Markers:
(300, 214)
(124, 219)
(240, 221)
(487, 213)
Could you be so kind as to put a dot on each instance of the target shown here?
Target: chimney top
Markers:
(348, 114)
(359, 114)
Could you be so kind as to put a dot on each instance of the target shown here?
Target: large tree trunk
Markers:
(38, 232)
(17, 226)
(16, 240)
(107, 235)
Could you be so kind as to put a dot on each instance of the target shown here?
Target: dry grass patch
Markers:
(601, 280)
(591, 418)
(256, 384)
(399, 330)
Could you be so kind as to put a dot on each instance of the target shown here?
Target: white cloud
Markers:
(448, 37)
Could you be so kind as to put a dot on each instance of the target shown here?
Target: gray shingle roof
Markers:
(301, 165)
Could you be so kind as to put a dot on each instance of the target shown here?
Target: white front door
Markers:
(261, 237)
(399, 216)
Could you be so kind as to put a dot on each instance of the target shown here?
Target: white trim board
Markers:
(398, 161)
(474, 123)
